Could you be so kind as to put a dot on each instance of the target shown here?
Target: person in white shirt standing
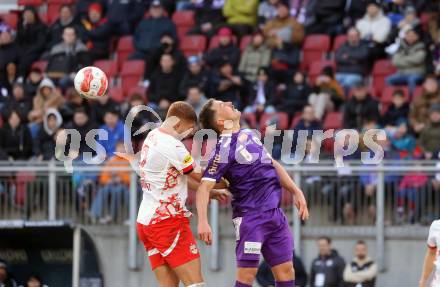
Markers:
(163, 220)
(432, 258)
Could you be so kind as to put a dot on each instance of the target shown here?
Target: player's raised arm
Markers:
(287, 183)
(428, 266)
(202, 201)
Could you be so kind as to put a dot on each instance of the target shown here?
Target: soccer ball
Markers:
(91, 82)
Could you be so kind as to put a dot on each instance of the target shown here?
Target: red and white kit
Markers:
(163, 220)
(434, 243)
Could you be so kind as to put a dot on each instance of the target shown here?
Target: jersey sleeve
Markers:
(217, 165)
(432, 242)
(182, 161)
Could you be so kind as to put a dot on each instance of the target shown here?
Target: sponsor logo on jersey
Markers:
(214, 166)
(188, 159)
(252, 247)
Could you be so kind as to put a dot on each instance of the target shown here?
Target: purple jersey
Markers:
(242, 160)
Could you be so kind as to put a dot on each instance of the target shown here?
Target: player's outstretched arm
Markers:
(428, 266)
(288, 184)
(202, 201)
(197, 177)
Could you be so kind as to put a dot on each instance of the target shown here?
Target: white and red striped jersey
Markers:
(163, 165)
(434, 243)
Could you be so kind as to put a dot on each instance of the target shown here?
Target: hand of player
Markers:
(301, 204)
(205, 233)
(219, 194)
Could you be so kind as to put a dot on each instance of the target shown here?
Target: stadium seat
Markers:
(245, 41)
(314, 48)
(250, 119)
(116, 94)
(53, 8)
(109, 67)
(333, 120)
(337, 43)
(387, 94)
(132, 73)
(35, 3)
(42, 65)
(193, 45)
(381, 70)
(295, 119)
(137, 90)
(124, 49)
(424, 20)
(215, 42)
(10, 19)
(316, 68)
(184, 21)
(281, 118)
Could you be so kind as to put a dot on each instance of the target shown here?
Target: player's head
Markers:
(216, 115)
(324, 245)
(182, 117)
(361, 250)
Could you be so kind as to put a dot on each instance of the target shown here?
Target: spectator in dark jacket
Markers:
(97, 32)
(351, 60)
(100, 107)
(140, 119)
(164, 83)
(359, 108)
(397, 111)
(19, 102)
(226, 86)
(361, 271)
(325, 17)
(295, 97)
(168, 46)
(9, 57)
(208, 16)
(195, 76)
(5, 279)
(265, 277)
(308, 122)
(150, 30)
(226, 51)
(44, 144)
(430, 136)
(122, 15)
(285, 61)
(31, 37)
(83, 124)
(67, 19)
(262, 94)
(15, 138)
(328, 267)
(33, 81)
(73, 102)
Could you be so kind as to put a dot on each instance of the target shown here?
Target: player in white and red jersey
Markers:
(432, 258)
(163, 220)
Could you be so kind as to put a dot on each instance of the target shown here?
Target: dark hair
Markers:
(207, 117)
(183, 111)
(326, 238)
(263, 69)
(67, 6)
(81, 110)
(36, 277)
(328, 71)
(34, 11)
(398, 92)
(136, 97)
(361, 242)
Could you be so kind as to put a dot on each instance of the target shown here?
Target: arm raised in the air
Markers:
(288, 184)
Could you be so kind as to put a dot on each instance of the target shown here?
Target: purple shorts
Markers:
(265, 233)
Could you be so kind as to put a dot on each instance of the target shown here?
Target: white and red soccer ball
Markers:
(91, 82)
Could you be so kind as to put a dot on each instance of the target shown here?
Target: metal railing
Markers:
(357, 199)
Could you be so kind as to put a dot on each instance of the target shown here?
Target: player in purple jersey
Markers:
(256, 182)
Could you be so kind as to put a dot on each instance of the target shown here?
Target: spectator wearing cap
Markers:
(267, 10)
(19, 102)
(15, 138)
(66, 58)
(149, 31)
(226, 51)
(283, 28)
(97, 32)
(5, 279)
(351, 60)
(226, 85)
(123, 15)
(196, 98)
(430, 136)
(168, 46)
(114, 128)
(262, 94)
(256, 55)
(327, 94)
(374, 28)
(241, 15)
(45, 141)
(67, 19)
(208, 17)
(9, 57)
(164, 84)
(31, 37)
(196, 75)
(99, 107)
(420, 106)
(360, 108)
(409, 61)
